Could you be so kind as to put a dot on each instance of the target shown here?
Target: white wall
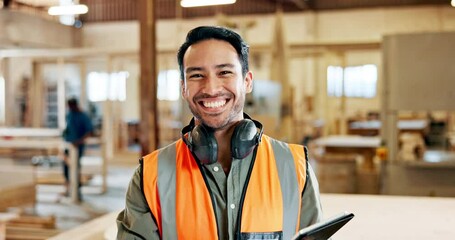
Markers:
(21, 30)
(123, 35)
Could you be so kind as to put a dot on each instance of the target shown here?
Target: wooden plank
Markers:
(31, 221)
(17, 187)
(64, 52)
(4, 218)
(54, 177)
(91, 230)
(26, 233)
(37, 96)
(30, 132)
(45, 144)
(17, 196)
(31, 227)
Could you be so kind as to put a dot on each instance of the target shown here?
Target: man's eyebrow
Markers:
(192, 69)
(229, 65)
(219, 66)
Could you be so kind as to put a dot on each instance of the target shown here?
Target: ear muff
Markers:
(201, 142)
(244, 138)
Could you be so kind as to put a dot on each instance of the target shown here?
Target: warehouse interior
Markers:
(367, 86)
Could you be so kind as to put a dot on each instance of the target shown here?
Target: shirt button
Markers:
(232, 206)
(216, 169)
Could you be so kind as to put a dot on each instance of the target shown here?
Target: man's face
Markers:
(214, 86)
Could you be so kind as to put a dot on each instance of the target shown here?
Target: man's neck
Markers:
(223, 138)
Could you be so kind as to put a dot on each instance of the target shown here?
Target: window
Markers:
(103, 86)
(335, 81)
(355, 81)
(169, 85)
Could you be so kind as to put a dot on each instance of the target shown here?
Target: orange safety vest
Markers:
(181, 204)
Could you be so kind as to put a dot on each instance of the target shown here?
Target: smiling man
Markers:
(223, 179)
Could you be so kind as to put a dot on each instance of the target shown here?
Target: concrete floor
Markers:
(50, 201)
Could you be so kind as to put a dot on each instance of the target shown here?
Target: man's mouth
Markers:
(214, 104)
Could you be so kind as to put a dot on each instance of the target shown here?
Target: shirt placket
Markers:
(218, 187)
(233, 196)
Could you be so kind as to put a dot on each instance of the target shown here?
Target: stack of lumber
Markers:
(31, 228)
(17, 187)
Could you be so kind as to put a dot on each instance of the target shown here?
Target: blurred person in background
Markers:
(78, 129)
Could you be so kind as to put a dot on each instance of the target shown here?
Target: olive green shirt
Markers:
(137, 222)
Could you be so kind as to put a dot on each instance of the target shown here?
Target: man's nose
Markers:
(212, 84)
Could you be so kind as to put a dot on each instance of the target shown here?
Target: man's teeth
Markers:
(214, 104)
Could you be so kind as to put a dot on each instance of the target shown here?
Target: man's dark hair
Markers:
(219, 33)
(73, 104)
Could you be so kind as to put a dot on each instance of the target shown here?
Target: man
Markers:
(78, 129)
(223, 179)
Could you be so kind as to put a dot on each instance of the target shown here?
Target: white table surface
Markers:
(418, 124)
(30, 132)
(392, 217)
(32, 143)
(348, 141)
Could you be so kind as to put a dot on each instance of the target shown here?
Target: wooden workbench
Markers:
(373, 127)
(48, 141)
(47, 145)
(351, 144)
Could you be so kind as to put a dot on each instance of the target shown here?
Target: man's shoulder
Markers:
(169, 147)
(284, 144)
(277, 141)
(78, 114)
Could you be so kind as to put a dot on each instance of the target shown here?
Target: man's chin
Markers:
(215, 123)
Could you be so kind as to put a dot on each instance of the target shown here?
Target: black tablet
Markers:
(325, 229)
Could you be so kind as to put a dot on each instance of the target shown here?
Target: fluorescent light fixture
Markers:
(68, 10)
(201, 3)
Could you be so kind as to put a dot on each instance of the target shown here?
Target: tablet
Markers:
(325, 229)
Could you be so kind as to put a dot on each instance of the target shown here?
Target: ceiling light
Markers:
(68, 10)
(201, 3)
(453, 3)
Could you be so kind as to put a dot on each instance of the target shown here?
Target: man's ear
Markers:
(183, 88)
(249, 82)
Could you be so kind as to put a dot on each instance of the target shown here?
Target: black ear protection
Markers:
(201, 142)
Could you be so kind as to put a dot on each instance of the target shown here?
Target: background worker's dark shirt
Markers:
(78, 124)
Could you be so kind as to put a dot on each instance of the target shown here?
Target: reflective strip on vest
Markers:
(287, 172)
(174, 185)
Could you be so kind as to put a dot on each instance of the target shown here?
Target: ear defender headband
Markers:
(201, 142)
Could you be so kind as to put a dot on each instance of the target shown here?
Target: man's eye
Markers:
(225, 72)
(193, 76)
